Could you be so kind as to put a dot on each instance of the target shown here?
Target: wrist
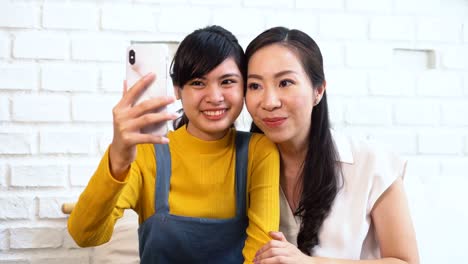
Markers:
(118, 166)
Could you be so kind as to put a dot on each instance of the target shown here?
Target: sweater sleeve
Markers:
(263, 194)
(103, 201)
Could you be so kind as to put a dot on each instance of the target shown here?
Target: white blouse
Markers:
(347, 231)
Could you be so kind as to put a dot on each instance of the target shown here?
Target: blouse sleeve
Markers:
(387, 168)
(263, 194)
(103, 201)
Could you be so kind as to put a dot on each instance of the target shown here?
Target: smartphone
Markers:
(142, 58)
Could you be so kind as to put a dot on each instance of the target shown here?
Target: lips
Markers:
(274, 121)
(215, 114)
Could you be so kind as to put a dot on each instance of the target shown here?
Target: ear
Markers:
(177, 91)
(319, 92)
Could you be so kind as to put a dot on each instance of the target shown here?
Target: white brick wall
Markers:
(368, 112)
(128, 18)
(4, 239)
(4, 109)
(77, 78)
(38, 175)
(37, 237)
(448, 143)
(16, 143)
(109, 80)
(93, 108)
(410, 113)
(2, 176)
(15, 207)
(19, 76)
(382, 6)
(97, 47)
(41, 108)
(70, 142)
(47, 45)
(81, 173)
(431, 82)
(343, 27)
(61, 72)
(331, 4)
(50, 207)
(392, 28)
(70, 16)
(19, 15)
(4, 45)
(194, 18)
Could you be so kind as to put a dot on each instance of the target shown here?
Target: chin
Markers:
(276, 137)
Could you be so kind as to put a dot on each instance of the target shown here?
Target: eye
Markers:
(228, 81)
(253, 86)
(196, 83)
(285, 83)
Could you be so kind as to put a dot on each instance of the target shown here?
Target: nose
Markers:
(270, 100)
(215, 94)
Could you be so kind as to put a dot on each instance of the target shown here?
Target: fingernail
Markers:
(164, 140)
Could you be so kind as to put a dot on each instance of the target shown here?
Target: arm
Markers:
(263, 210)
(393, 228)
(104, 199)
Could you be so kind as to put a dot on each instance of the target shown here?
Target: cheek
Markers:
(250, 101)
(302, 105)
(236, 97)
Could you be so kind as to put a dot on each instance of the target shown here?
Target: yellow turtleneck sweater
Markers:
(202, 185)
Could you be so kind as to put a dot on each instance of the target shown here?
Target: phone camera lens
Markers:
(131, 57)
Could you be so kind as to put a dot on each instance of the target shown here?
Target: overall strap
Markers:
(163, 177)
(242, 153)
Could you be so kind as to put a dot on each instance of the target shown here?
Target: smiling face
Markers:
(279, 95)
(214, 101)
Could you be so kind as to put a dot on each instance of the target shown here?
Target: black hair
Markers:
(320, 175)
(199, 53)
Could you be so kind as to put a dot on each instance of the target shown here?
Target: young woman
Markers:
(341, 200)
(208, 196)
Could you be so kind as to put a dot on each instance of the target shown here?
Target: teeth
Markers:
(214, 113)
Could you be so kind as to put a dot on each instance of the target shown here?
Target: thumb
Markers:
(278, 236)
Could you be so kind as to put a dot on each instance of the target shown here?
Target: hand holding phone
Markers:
(144, 58)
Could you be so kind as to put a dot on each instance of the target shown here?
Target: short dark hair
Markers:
(320, 177)
(202, 51)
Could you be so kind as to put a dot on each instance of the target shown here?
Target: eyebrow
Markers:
(227, 75)
(276, 75)
(224, 76)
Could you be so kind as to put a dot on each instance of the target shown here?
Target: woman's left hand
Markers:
(280, 251)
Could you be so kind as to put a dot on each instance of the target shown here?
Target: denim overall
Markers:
(165, 238)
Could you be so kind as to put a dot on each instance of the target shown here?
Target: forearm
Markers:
(92, 220)
(320, 260)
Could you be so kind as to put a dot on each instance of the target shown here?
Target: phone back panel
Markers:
(143, 58)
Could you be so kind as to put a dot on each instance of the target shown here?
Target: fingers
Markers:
(270, 245)
(141, 138)
(278, 236)
(125, 88)
(273, 255)
(132, 94)
(149, 119)
(151, 105)
(128, 128)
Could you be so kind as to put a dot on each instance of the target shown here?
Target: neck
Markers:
(292, 156)
(292, 160)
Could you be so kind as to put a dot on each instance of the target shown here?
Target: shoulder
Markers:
(364, 152)
(261, 142)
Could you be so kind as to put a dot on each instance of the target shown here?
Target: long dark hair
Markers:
(320, 175)
(199, 53)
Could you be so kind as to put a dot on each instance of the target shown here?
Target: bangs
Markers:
(198, 55)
